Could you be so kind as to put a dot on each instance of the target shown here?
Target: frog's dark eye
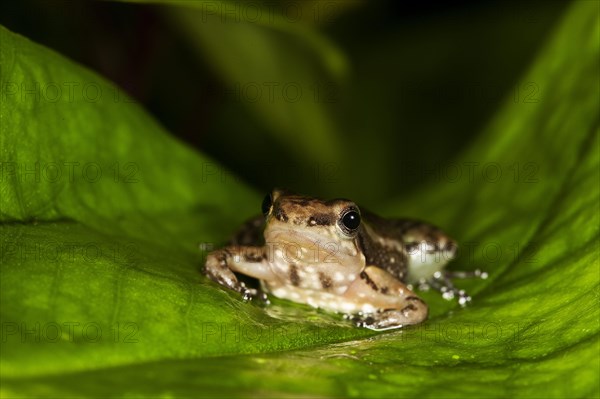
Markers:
(350, 221)
(266, 204)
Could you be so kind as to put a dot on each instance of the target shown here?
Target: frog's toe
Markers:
(248, 293)
(265, 298)
(442, 282)
(451, 293)
(477, 273)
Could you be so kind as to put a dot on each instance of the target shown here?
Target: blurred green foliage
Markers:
(335, 98)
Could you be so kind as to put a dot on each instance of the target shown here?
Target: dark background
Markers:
(424, 78)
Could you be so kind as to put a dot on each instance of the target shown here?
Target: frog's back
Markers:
(251, 233)
(410, 249)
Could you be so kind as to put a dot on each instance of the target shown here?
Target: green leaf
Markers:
(279, 71)
(80, 257)
(106, 212)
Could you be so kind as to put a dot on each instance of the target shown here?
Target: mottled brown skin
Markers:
(302, 250)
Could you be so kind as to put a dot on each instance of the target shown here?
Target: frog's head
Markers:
(307, 222)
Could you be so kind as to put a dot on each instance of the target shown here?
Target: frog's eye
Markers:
(266, 204)
(350, 221)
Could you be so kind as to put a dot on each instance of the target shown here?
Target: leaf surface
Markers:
(101, 292)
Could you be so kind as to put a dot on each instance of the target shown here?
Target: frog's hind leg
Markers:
(392, 304)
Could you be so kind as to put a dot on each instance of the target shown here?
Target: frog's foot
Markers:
(249, 294)
(217, 269)
(442, 282)
(221, 266)
(389, 319)
(260, 295)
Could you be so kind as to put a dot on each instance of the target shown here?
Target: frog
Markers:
(339, 257)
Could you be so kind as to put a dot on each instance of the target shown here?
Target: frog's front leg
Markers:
(252, 261)
(393, 304)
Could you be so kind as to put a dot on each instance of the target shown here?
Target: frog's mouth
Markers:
(301, 238)
(313, 247)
